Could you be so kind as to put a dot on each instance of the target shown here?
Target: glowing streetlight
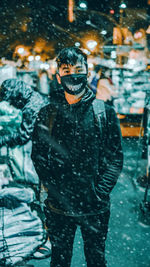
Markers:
(37, 57)
(77, 44)
(44, 66)
(123, 5)
(83, 4)
(20, 50)
(88, 22)
(103, 32)
(31, 58)
(91, 44)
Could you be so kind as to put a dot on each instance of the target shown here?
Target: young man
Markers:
(79, 161)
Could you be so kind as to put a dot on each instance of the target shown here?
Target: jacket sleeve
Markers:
(40, 145)
(29, 115)
(112, 156)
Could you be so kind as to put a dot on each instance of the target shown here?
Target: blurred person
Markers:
(44, 83)
(102, 85)
(105, 88)
(17, 196)
(22, 97)
(95, 78)
(137, 58)
(77, 154)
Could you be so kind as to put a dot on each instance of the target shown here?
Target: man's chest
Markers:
(75, 126)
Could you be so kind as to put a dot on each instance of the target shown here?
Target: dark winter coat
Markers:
(23, 97)
(77, 165)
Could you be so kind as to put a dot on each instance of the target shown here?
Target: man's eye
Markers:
(66, 71)
(80, 70)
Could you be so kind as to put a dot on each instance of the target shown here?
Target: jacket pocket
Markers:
(101, 194)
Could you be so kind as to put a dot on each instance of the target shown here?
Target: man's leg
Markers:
(61, 230)
(94, 232)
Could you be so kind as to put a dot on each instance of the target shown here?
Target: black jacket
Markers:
(23, 97)
(77, 165)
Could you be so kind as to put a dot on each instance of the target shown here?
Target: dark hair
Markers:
(97, 68)
(103, 70)
(16, 92)
(71, 55)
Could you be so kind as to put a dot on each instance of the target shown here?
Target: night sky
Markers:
(25, 20)
(56, 10)
(54, 5)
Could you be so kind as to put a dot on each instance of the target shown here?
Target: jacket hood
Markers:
(89, 96)
(57, 95)
(16, 92)
(85, 101)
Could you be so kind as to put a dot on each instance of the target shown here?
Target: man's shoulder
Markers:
(46, 112)
(101, 106)
(35, 102)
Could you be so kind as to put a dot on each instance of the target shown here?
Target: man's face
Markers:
(73, 78)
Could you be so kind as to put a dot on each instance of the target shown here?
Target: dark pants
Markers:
(62, 230)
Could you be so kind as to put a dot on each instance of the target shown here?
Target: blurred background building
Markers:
(113, 33)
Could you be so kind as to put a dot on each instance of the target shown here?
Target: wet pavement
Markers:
(128, 240)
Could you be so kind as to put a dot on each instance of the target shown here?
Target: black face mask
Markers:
(74, 84)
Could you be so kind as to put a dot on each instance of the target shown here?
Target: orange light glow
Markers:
(70, 10)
